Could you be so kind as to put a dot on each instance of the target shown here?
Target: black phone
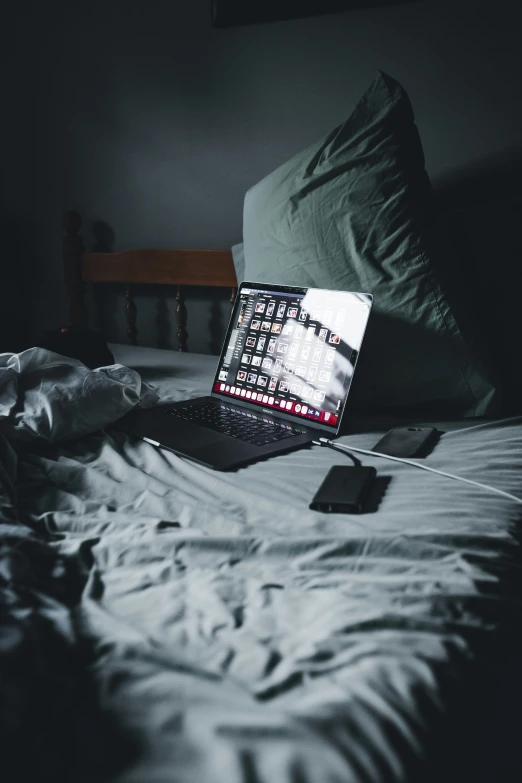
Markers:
(407, 442)
(344, 489)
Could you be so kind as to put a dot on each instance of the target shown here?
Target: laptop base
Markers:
(199, 444)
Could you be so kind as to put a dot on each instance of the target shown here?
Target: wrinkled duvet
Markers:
(163, 622)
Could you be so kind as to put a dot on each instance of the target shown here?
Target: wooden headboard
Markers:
(171, 267)
(238, 12)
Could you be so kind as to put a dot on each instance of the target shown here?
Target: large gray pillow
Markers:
(238, 257)
(354, 212)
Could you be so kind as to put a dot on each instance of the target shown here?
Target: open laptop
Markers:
(282, 379)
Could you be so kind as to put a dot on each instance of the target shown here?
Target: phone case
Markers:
(344, 489)
(407, 442)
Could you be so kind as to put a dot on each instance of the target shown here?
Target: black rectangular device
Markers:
(344, 489)
(407, 442)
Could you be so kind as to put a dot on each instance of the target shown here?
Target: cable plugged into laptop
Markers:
(369, 452)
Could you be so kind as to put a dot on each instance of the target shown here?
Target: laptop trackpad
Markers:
(187, 436)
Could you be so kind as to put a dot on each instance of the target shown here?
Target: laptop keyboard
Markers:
(243, 425)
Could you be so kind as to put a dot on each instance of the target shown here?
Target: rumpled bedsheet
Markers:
(46, 396)
(234, 635)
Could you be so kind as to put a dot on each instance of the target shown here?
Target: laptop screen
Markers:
(293, 350)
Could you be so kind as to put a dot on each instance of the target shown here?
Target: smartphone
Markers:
(407, 442)
(344, 489)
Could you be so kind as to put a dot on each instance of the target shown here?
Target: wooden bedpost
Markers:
(72, 250)
(181, 318)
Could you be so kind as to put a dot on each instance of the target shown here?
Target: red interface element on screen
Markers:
(280, 356)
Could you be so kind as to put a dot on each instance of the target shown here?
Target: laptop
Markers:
(282, 379)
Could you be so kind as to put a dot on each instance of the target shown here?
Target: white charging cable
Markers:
(342, 447)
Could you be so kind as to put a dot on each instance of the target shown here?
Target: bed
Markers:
(165, 622)
(182, 624)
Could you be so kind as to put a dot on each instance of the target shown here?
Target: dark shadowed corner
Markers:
(480, 207)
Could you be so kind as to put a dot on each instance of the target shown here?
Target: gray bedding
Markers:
(233, 635)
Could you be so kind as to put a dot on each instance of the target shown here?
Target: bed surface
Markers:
(239, 636)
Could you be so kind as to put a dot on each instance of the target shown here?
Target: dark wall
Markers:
(146, 117)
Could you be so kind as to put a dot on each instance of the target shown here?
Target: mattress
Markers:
(235, 635)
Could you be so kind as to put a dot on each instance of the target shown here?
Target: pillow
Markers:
(238, 257)
(353, 212)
